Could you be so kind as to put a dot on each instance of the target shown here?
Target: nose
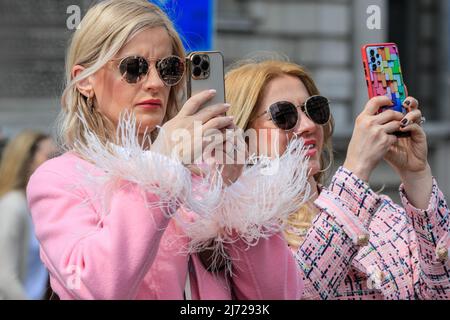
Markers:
(152, 81)
(305, 125)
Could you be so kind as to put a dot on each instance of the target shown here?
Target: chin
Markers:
(314, 167)
(148, 122)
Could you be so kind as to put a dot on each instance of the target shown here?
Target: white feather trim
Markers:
(257, 205)
(163, 176)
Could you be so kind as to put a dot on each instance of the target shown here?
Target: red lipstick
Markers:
(150, 104)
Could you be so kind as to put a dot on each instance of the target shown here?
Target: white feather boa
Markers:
(154, 173)
(256, 206)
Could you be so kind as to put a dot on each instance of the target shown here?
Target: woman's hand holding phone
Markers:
(410, 154)
(372, 137)
(205, 70)
(234, 153)
(373, 140)
(183, 126)
(409, 157)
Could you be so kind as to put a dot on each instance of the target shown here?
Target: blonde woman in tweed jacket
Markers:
(350, 242)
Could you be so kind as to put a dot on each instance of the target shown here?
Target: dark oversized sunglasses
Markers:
(134, 68)
(285, 115)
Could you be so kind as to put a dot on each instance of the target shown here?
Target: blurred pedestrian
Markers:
(2, 142)
(22, 274)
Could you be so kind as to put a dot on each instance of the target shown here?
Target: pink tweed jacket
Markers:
(364, 246)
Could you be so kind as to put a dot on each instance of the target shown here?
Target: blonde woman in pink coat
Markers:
(119, 215)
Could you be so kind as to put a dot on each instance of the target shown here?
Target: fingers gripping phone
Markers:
(205, 71)
(384, 75)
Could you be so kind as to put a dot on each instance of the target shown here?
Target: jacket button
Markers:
(363, 240)
(442, 254)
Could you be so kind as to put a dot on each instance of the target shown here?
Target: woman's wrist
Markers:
(416, 177)
(418, 186)
(362, 171)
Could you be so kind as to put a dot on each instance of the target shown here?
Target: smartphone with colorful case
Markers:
(383, 74)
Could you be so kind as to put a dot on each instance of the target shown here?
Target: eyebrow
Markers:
(126, 54)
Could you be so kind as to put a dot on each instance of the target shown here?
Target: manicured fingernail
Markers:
(405, 122)
(231, 117)
(227, 105)
(212, 91)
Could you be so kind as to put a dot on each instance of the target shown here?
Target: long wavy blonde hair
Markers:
(245, 84)
(106, 28)
(17, 159)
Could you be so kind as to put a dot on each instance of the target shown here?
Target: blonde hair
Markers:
(106, 28)
(245, 84)
(16, 161)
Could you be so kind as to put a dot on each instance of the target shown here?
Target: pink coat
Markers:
(133, 252)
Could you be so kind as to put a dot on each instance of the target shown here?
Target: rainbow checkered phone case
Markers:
(384, 74)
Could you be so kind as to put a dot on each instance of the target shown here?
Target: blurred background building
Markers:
(323, 35)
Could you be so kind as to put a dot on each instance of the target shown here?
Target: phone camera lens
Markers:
(378, 56)
(205, 65)
(372, 52)
(196, 60)
(373, 60)
(374, 67)
(197, 72)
